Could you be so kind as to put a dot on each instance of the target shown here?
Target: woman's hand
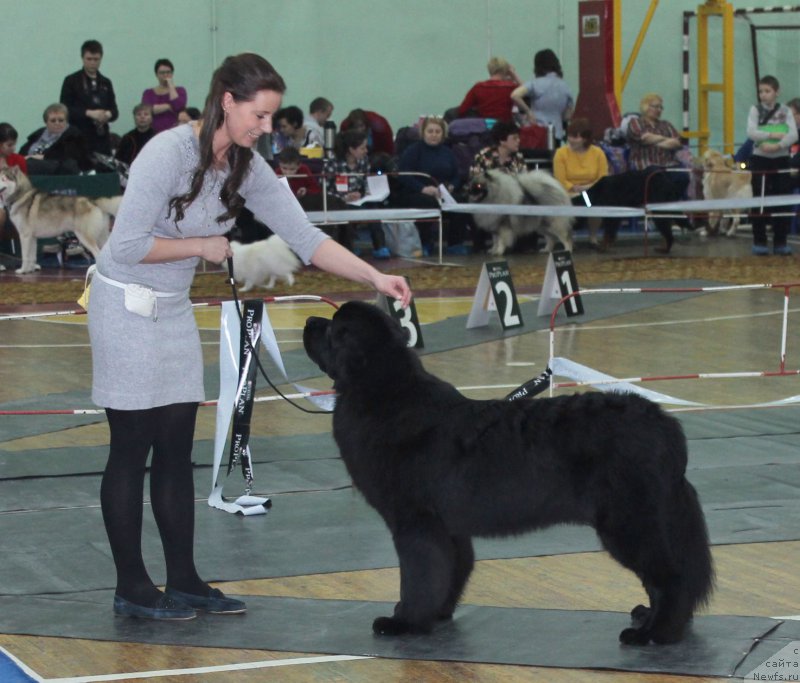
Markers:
(352, 196)
(393, 286)
(215, 249)
(431, 190)
(769, 147)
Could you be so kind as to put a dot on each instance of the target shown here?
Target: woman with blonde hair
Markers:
(490, 99)
(654, 143)
(431, 157)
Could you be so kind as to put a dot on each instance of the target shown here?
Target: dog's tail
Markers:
(108, 205)
(689, 540)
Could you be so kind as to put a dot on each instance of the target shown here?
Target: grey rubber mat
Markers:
(714, 646)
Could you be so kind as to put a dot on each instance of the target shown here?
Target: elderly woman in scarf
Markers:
(57, 148)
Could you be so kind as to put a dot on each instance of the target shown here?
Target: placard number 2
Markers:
(510, 319)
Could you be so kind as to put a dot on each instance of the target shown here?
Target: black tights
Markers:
(169, 431)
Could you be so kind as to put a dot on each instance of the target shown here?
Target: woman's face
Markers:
(654, 109)
(576, 143)
(164, 74)
(247, 121)
(56, 122)
(433, 134)
(183, 117)
(360, 152)
(511, 143)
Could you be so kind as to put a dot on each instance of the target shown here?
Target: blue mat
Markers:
(10, 672)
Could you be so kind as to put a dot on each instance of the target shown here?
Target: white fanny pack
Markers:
(139, 299)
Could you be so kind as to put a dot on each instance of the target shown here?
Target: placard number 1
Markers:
(566, 280)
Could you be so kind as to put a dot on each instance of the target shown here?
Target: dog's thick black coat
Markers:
(441, 468)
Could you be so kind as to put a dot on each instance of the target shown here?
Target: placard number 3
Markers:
(404, 318)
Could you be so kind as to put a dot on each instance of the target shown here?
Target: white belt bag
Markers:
(139, 299)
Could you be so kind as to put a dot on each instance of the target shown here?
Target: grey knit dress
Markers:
(139, 363)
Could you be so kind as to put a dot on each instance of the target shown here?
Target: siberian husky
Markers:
(38, 215)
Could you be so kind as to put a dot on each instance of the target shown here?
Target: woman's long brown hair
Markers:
(242, 76)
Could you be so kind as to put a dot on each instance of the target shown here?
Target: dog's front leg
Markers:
(426, 576)
(28, 246)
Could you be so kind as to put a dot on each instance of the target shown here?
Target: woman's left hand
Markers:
(394, 286)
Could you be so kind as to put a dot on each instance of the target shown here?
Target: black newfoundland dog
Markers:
(441, 468)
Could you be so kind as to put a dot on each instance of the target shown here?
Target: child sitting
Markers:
(299, 175)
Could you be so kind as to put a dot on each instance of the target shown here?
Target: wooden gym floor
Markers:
(712, 333)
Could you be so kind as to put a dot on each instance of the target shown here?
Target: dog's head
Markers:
(716, 161)
(361, 345)
(9, 182)
(478, 188)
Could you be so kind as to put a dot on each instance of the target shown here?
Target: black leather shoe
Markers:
(214, 603)
(166, 608)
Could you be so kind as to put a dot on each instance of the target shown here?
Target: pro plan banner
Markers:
(239, 341)
(238, 345)
(249, 338)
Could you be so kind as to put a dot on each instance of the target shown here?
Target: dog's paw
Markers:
(640, 614)
(24, 270)
(390, 626)
(634, 636)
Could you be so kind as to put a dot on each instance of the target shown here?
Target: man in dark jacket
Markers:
(89, 96)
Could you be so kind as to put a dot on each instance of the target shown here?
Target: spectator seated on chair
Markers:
(319, 113)
(132, 142)
(346, 177)
(57, 148)
(289, 122)
(503, 154)
(189, 114)
(654, 146)
(436, 164)
(8, 145)
(578, 165)
(380, 138)
(300, 178)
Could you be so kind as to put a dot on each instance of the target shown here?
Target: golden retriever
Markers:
(721, 180)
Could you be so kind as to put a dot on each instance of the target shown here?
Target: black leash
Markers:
(232, 283)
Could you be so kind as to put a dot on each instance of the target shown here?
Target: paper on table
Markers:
(377, 190)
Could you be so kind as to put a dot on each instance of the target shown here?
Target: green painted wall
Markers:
(401, 58)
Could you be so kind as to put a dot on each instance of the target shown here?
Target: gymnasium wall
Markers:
(401, 58)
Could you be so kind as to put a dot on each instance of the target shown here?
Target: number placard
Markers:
(407, 317)
(495, 292)
(560, 281)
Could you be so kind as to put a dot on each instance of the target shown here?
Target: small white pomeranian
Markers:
(262, 263)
